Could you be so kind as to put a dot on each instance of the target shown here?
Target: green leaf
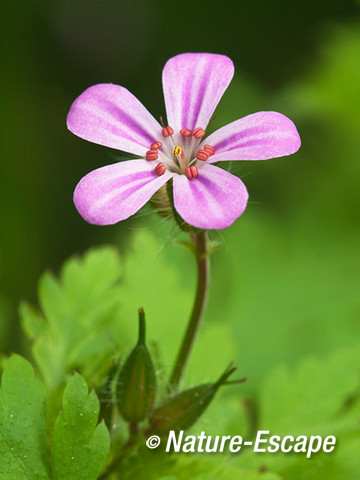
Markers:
(155, 465)
(205, 467)
(311, 397)
(80, 446)
(276, 313)
(319, 397)
(22, 423)
(73, 330)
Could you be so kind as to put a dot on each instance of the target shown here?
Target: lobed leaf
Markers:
(80, 444)
(74, 327)
(23, 454)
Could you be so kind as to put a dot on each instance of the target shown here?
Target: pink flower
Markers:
(205, 195)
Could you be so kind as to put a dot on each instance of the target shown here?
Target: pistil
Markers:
(181, 161)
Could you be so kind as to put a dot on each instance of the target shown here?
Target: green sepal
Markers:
(161, 203)
(183, 410)
(137, 380)
(185, 227)
(107, 393)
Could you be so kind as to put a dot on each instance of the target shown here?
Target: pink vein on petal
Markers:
(259, 136)
(193, 85)
(110, 115)
(214, 200)
(113, 193)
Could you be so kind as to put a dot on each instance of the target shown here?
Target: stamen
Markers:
(198, 132)
(209, 150)
(177, 151)
(185, 132)
(191, 172)
(167, 131)
(160, 169)
(202, 155)
(152, 155)
(155, 146)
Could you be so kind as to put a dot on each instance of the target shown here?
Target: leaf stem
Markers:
(116, 462)
(203, 269)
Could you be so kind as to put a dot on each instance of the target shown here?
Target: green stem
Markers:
(203, 267)
(126, 449)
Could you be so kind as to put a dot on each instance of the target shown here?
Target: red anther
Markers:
(198, 132)
(191, 172)
(152, 155)
(155, 146)
(160, 169)
(209, 149)
(202, 155)
(167, 131)
(185, 132)
(194, 171)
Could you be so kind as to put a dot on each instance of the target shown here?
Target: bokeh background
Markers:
(286, 281)
(285, 302)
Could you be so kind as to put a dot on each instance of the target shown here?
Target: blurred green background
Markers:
(287, 278)
(284, 300)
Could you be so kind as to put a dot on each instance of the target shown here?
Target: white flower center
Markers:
(182, 159)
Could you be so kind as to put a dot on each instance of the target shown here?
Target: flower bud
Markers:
(182, 410)
(137, 380)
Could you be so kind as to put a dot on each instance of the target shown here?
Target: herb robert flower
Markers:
(205, 196)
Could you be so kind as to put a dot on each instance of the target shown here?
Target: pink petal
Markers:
(214, 200)
(258, 136)
(115, 192)
(193, 84)
(111, 116)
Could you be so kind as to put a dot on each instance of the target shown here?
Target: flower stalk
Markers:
(203, 269)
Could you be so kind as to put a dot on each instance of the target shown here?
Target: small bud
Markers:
(183, 410)
(137, 380)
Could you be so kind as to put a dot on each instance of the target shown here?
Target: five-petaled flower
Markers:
(205, 195)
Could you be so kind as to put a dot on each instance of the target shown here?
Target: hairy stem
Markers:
(200, 241)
